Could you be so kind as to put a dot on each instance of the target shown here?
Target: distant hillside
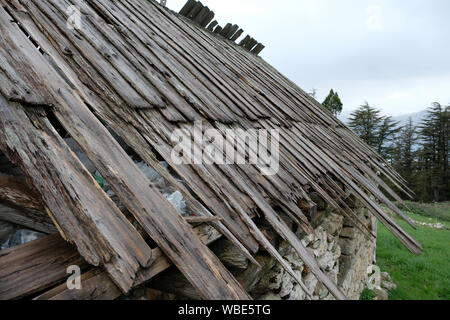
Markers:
(416, 117)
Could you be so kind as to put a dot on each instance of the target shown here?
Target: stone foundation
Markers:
(341, 250)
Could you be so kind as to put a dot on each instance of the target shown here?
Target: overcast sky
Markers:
(395, 54)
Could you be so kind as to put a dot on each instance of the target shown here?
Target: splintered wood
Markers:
(144, 72)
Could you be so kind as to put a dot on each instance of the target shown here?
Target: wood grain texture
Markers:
(36, 265)
(176, 72)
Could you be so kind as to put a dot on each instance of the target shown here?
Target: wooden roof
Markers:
(145, 71)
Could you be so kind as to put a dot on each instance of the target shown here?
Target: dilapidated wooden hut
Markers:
(87, 87)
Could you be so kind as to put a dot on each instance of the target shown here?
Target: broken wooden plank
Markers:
(98, 286)
(64, 179)
(257, 50)
(15, 192)
(212, 25)
(207, 19)
(237, 35)
(155, 214)
(187, 7)
(193, 220)
(36, 265)
(226, 29)
(29, 219)
(195, 10)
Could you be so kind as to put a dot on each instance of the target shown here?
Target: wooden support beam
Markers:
(193, 220)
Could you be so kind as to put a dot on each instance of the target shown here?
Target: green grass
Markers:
(367, 295)
(425, 277)
(439, 211)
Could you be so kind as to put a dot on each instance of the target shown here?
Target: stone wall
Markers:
(341, 250)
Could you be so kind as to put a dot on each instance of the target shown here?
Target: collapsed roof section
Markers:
(143, 71)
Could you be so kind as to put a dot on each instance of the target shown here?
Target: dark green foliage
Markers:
(419, 154)
(333, 103)
(433, 157)
(376, 130)
(403, 152)
(367, 295)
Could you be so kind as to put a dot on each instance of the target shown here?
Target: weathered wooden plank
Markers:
(257, 50)
(29, 219)
(218, 30)
(195, 10)
(140, 148)
(201, 15)
(232, 31)
(155, 214)
(15, 191)
(98, 286)
(226, 29)
(59, 178)
(36, 265)
(237, 35)
(207, 19)
(187, 7)
(212, 25)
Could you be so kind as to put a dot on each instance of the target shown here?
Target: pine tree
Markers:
(404, 154)
(365, 122)
(333, 103)
(434, 154)
(386, 133)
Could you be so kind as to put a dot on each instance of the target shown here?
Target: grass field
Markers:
(425, 277)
